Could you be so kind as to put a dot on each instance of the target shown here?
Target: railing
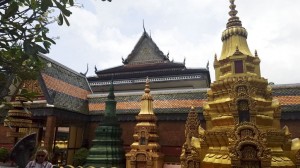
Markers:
(174, 78)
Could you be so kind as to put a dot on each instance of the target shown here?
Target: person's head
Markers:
(41, 155)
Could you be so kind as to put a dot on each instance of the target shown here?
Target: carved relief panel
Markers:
(248, 147)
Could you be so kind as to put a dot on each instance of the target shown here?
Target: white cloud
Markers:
(101, 33)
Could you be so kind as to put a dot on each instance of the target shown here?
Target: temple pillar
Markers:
(75, 141)
(49, 133)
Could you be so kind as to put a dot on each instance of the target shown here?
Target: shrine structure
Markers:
(145, 150)
(242, 117)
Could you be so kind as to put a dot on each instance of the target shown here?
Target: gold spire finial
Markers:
(234, 29)
(147, 106)
(147, 86)
(232, 6)
(255, 53)
(147, 95)
(233, 20)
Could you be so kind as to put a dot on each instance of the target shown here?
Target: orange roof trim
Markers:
(66, 88)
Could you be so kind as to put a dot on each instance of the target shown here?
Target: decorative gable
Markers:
(34, 87)
(145, 52)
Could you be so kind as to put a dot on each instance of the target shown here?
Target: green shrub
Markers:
(3, 154)
(80, 157)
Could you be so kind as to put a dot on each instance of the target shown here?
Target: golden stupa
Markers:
(145, 150)
(242, 118)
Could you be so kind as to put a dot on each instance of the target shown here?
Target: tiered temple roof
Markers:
(61, 92)
(178, 102)
(146, 59)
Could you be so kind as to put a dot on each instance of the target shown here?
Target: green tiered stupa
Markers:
(107, 150)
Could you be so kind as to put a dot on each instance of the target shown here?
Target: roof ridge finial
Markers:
(144, 26)
(233, 20)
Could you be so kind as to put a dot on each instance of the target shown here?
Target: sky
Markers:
(101, 33)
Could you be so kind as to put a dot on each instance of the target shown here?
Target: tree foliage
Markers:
(24, 34)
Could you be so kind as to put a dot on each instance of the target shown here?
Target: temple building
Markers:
(242, 117)
(146, 59)
(237, 120)
(59, 112)
(175, 86)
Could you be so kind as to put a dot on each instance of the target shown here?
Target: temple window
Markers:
(238, 66)
(243, 110)
(249, 157)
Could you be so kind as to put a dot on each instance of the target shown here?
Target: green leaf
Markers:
(45, 4)
(29, 48)
(33, 4)
(41, 49)
(71, 2)
(12, 9)
(50, 40)
(47, 45)
(66, 12)
(63, 8)
(60, 19)
(38, 39)
(66, 20)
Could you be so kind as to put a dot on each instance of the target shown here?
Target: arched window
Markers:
(249, 157)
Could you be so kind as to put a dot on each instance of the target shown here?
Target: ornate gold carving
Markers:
(250, 68)
(249, 152)
(297, 157)
(190, 156)
(192, 124)
(33, 86)
(225, 69)
(247, 143)
(243, 105)
(141, 157)
(233, 99)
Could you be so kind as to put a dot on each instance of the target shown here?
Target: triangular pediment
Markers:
(145, 52)
(33, 86)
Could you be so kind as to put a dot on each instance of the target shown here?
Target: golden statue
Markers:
(242, 119)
